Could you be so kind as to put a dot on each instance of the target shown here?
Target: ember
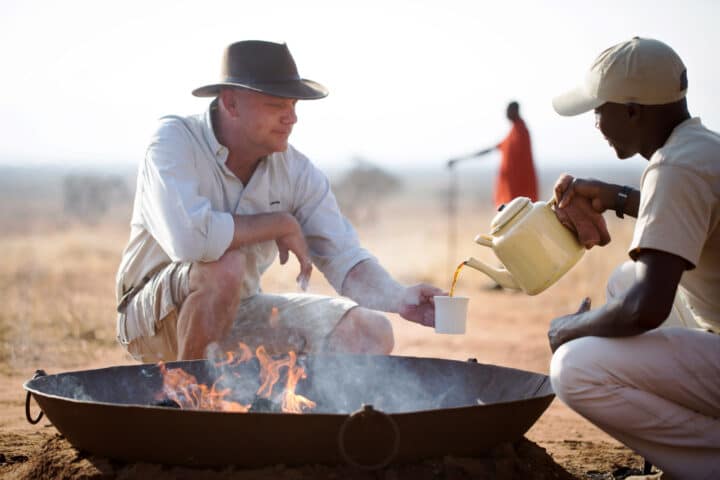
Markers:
(166, 402)
(182, 390)
(261, 404)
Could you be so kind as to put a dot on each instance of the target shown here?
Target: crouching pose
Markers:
(218, 196)
(657, 390)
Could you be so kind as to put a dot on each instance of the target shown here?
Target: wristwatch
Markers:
(621, 200)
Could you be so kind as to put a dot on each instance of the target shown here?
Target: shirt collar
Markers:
(220, 151)
(216, 147)
(680, 126)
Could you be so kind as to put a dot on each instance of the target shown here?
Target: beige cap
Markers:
(641, 70)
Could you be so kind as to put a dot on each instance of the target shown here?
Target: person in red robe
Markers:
(516, 175)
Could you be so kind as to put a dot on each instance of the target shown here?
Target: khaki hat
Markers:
(264, 67)
(641, 70)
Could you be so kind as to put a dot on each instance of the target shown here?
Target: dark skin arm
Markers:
(645, 306)
(602, 195)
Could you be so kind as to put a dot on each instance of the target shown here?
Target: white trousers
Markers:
(658, 393)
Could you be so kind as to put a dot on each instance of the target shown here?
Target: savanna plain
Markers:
(61, 243)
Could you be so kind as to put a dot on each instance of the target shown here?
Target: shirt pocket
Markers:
(276, 204)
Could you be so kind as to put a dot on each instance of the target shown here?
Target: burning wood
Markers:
(184, 389)
(166, 402)
(261, 404)
(181, 389)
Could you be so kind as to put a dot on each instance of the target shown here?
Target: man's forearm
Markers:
(609, 198)
(644, 307)
(371, 286)
(251, 229)
(611, 320)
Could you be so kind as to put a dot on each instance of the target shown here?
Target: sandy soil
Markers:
(57, 285)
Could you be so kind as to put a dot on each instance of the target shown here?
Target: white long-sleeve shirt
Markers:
(186, 197)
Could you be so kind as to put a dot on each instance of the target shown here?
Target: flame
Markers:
(244, 354)
(270, 370)
(184, 389)
(274, 319)
(292, 403)
(270, 374)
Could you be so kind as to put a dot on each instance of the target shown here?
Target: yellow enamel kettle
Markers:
(534, 247)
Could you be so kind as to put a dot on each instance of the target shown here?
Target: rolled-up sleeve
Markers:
(333, 242)
(181, 220)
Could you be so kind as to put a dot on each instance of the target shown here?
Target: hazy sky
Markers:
(411, 82)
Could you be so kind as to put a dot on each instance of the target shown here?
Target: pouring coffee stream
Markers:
(536, 250)
(455, 278)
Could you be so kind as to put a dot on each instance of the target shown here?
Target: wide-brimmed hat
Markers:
(641, 70)
(264, 67)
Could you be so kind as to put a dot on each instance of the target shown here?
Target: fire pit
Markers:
(367, 411)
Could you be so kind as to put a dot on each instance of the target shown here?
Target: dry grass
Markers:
(57, 295)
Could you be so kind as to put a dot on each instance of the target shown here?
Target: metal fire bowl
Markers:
(421, 408)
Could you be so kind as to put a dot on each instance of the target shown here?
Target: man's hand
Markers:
(559, 326)
(417, 304)
(567, 187)
(588, 225)
(579, 206)
(282, 227)
(294, 241)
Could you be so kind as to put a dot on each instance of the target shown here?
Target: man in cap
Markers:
(655, 390)
(218, 196)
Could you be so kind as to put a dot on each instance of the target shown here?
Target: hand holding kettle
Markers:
(603, 196)
(534, 247)
(588, 225)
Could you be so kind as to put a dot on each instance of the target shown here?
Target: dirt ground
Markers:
(57, 281)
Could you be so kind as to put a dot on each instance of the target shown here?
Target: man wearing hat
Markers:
(657, 390)
(218, 196)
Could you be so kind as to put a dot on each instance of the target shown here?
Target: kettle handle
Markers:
(551, 203)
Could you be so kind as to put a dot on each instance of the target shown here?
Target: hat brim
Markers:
(575, 102)
(302, 89)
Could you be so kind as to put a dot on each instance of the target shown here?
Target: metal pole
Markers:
(452, 205)
(452, 218)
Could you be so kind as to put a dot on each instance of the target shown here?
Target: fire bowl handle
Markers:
(364, 413)
(38, 373)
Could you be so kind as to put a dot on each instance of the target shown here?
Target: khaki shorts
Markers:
(300, 322)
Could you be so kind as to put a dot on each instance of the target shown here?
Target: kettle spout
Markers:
(500, 275)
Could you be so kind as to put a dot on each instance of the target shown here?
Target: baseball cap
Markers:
(641, 70)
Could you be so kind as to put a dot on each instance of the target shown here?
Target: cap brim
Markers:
(575, 102)
(302, 89)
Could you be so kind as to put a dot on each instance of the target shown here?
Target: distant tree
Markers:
(88, 197)
(362, 189)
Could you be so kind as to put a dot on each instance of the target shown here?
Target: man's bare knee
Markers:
(363, 331)
(209, 310)
(223, 277)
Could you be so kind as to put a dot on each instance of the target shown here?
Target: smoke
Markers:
(342, 384)
(370, 285)
(70, 386)
(240, 376)
(339, 383)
